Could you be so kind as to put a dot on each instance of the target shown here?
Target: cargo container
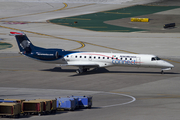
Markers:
(16, 100)
(29, 107)
(47, 105)
(75, 100)
(65, 103)
(10, 109)
(84, 101)
(50, 105)
(53, 106)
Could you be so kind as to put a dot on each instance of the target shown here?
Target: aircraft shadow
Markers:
(103, 70)
(58, 69)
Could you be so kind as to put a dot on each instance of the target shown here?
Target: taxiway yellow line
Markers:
(171, 60)
(109, 48)
(82, 44)
(81, 6)
(65, 5)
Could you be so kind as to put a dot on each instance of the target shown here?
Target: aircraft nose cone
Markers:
(169, 65)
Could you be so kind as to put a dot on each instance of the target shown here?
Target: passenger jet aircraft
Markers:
(87, 60)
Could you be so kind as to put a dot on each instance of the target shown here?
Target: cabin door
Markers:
(138, 61)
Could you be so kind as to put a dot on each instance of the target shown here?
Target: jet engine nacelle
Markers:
(46, 55)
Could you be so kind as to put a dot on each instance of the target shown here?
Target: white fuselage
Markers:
(110, 59)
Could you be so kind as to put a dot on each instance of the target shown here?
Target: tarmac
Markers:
(118, 92)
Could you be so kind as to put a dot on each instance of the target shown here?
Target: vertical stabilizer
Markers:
(25, 45)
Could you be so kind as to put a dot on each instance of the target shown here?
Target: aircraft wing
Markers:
(83, 64)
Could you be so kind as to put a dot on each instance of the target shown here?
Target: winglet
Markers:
(16, 33)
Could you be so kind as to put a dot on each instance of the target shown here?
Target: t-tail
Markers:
(28, 49)
(24, 44)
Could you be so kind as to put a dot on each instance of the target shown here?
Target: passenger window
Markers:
(116, 58)
(121, 58)
(98, 57)
(80, 56)
(103, 57)
(125, 58)
(130, 58)
(75, 56)
(107, 57)
(89, 56)
(94, 57)
(67, 56)
(84, 56)
(112, 58)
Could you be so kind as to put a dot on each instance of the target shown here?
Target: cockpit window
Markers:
(158, 58)
(155, 58)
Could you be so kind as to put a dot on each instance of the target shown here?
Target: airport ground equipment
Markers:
(169, 25)
(65, 104)
(17, 100)
(84, 101)
(46, 105)
(7, 101)
(10, 109)
(139, 19)
(52, 104)
(75, 100)
(33, 107)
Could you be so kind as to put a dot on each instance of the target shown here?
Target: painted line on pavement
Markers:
(65, 5)
(114, 105)
(82, 44)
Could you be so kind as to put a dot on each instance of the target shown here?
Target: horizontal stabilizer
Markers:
(16, 33)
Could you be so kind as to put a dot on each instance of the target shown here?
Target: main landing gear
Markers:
(81, 70)
(162, 72)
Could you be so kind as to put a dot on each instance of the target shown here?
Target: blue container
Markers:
(84, 101)
(65, 103)
(76, 100)
(8, 101)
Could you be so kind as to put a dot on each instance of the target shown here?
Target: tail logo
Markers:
(25, 44)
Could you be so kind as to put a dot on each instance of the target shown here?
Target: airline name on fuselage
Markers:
(44, 54)
(128, 62)
(128, 56)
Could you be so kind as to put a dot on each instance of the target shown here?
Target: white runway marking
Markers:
(133, 99)
(34, 93)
